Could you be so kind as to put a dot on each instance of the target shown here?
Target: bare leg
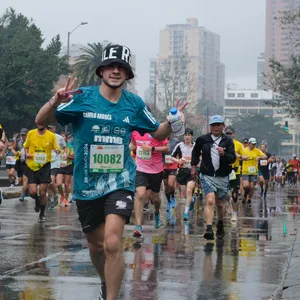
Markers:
(209, 208)
(96, 247)
(114, 260)
(139, 204)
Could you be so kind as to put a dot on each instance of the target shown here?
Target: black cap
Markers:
(189, 131)
(116, 54)
(245, 141)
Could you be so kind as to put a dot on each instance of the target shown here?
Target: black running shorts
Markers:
(41, 176)
(151, 181)
(92, 213)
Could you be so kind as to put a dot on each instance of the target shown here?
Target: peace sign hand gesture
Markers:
(61, 96)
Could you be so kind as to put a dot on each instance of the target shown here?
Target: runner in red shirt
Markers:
(295, 163)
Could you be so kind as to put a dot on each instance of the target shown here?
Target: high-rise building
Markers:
(279, 42)
(260, 71)
(188, 66)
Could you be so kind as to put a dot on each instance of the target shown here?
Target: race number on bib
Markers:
(251, 170)
(40, 158)
(106, 158)
(10, 160)
(142, 154)
(168, 159)
(232, 175)
(263, 162)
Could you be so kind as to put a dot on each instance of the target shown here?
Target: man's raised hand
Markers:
(61, 96)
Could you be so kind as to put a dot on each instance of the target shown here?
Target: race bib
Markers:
(295, 170)
(10, 160)
(40, 158)
(141, 154)
(263, 162)
(232, 175)
(168, 159)
(106, 158)
(251, 169)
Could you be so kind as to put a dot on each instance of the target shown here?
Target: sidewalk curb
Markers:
(279, 292)
(7, 194)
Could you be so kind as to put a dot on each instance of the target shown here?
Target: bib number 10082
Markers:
(106, 158)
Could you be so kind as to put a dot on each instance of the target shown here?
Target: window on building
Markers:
(254, 95)
(241, 95)
(231, 95)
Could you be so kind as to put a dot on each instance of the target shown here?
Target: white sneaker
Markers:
(17, 181)
(11, 186)
(234, 217)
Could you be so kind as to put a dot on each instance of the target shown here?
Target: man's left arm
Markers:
(229, 152)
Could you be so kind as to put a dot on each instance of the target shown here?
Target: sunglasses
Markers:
(216, 124)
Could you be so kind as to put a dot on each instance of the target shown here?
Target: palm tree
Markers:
(86, 64)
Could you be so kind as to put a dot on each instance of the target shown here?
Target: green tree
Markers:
(28, 71)
(87, 63)
(262, 128)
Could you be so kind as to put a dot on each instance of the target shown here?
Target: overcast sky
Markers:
(136, 23)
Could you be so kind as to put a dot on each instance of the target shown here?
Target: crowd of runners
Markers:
(124, 160)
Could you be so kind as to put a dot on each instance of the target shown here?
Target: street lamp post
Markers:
(68, 51)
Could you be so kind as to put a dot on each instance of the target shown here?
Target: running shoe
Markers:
(192, 204)
(146, 207)
(1, 196)
(102, 295)
(234, 217)
(17, 181)
(138, 232)
(67, 203)
(157, 221)
(22, 198)
(61, 201)
(42, 218)
(185, 217)
(209, 235)
(72, 199)
(220, 231)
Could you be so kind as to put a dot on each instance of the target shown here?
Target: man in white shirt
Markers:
(55, 165)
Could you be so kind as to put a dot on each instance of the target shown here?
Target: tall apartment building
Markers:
(260, 71)
(279, 43)
(188, 66)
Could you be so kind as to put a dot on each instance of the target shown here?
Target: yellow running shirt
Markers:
(250, 166)
(238, 146)
(40, 147)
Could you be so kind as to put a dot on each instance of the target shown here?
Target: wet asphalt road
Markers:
(51, 261)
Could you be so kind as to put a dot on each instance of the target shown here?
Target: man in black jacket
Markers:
(218, 154)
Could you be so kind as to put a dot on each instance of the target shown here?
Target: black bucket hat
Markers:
(116, 54)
